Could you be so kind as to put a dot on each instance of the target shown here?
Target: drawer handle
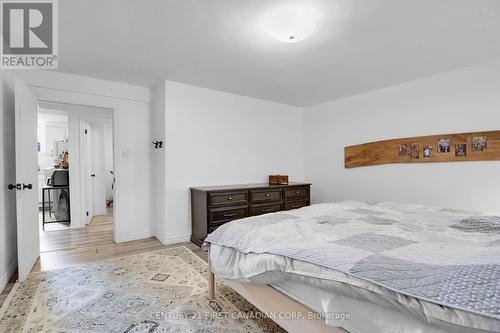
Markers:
(229, 198)
(295, 206)
(268, 195)
(268, 210)
(297, 192)
(230, 215)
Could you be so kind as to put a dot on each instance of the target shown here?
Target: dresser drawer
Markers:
(213, 228)
(222, 215)
(296, 193)
(265, 195)
(295, 204)
(264, 209)
(228, 198)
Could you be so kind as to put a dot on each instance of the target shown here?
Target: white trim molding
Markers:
(175, 239)
(134, 236)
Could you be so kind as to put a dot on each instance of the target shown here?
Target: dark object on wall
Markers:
(158, 144)
(486, 147)
(213, 206)
(278, 180)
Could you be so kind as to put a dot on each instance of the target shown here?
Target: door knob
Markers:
(29, 186)
(92, 175)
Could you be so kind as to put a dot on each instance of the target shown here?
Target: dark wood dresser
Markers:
(212, 206)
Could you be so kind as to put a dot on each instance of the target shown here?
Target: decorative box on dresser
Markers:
(212, 206)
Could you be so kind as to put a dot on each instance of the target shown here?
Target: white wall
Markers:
(131, 105)
(459, 101)
(215, 138)
(158, 172)
(8, 227)
(50, 130)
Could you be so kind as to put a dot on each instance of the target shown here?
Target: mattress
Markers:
(349, 312)
(335, 296)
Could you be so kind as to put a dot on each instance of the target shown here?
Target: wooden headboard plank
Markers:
(387, 151)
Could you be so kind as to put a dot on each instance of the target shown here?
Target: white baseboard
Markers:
(175, 239)
(74, 225)
(8, 274)
(134, 236)
(148, 234)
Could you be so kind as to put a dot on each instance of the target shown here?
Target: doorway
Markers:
(128, 107)
(75, 156)
(53, 159)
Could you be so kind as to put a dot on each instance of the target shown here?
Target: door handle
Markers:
(29, 186)
(14, 186)
(92, 175)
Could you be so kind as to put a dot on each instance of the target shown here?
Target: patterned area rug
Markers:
(161, 291)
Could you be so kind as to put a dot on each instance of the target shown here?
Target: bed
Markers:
(358, 267)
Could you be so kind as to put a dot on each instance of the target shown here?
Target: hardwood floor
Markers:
(62, 247)
(93, 252)
(58, 236)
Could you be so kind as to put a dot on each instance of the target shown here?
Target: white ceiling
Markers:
(358, 46)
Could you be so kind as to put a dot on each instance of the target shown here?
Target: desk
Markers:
(48, 189)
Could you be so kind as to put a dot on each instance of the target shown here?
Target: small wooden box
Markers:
(278, 180)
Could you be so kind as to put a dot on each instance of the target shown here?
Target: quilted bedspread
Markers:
(443, 256)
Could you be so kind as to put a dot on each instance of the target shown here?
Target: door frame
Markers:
(73, 99)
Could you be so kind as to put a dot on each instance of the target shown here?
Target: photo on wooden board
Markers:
(427, 151)
(461, 150)
(443, 146)
(414, 151)
(479, 143)
(403, 149)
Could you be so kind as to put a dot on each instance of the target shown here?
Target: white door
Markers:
(87, 171)
(28, 242)
(98, 179)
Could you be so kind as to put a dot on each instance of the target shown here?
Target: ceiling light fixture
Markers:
(290, 23)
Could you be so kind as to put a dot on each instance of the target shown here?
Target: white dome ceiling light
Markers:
(289, 23)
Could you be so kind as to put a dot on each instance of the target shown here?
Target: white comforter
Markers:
(422, 257)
